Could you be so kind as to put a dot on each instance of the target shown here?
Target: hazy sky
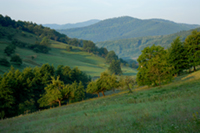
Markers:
(72, 11)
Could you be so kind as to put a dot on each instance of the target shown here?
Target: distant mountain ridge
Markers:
(70, 25)
(131, 48)
(126, 27)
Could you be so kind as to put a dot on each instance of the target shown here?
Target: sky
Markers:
(73, 11)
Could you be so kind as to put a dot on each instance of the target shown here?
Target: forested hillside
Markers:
(132, 47)
(126, 27)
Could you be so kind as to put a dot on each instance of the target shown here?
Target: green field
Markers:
(171, 108)
(89, 63)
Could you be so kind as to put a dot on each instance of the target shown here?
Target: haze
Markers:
(73, 11)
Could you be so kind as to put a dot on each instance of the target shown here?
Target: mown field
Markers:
(89, 63)
(171, 108)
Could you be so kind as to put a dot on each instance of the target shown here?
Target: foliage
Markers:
(69, 48)
(178, 56)
(16, 59)
(20, 91)
(9, 50)
(123, 28)
(115, 67)
(54, 93)
(4, 62)
(127, 82)
(192, 45)
(131, 47)
(153, 67)
(45, 42)
(170, 108)
(111, 56)
(104, 83)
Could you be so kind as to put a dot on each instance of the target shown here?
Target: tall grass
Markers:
(170, 108)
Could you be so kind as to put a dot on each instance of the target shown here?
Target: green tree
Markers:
(16, 59)
(127, 82)
(4, 62)
(192, 45)
(10, 49)
(178, 56)
(111, 56)
(77, 92)
(45, 42)
(104, 83)
(55, 93)
(115, 67)
(154, 67)
(69, 48)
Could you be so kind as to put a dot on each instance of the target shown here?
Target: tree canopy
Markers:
(192, 45)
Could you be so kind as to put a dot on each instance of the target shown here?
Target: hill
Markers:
(126, 27)
(171, 108)
(70, 25)
(91, 64)
(132, 47)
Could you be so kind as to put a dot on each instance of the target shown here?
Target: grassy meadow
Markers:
(171, 108)
(91, 64)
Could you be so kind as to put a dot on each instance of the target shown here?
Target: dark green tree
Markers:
(178, 56)
(111, 56)
(4, 62)
(16, 59)
(69, 48)
(115, 67)
(9, 50)
(192, 45)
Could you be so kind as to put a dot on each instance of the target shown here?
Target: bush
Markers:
(4, 62)
(10, 49)
(16, 59)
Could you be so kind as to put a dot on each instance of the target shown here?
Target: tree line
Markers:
(47, 33)
(158, 65)
(28, 91)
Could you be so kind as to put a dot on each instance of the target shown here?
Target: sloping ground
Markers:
(171, 108)
(91, 64)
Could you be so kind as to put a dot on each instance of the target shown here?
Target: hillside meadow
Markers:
(170, 108)
(90, 63)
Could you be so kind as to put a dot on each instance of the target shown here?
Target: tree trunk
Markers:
(194, 68)
(59, 103)
(98, 94)
(129, 88)
(103, 93)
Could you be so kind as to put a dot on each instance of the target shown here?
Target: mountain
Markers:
(126, 27)
(69, 25)
(132, 47)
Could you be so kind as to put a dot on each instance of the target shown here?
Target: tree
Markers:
(178, 56)
(45, 42)
(192, 45)
(16, 59)
(55, 93)
(115, 67)
(10, 49)
(4, 62)
(89, 46)
(111, 56)
(69, 48)
(154, 67)
(127, 82)
(104, 83)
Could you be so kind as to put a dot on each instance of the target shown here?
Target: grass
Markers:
(170, 108)
(91, 64)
